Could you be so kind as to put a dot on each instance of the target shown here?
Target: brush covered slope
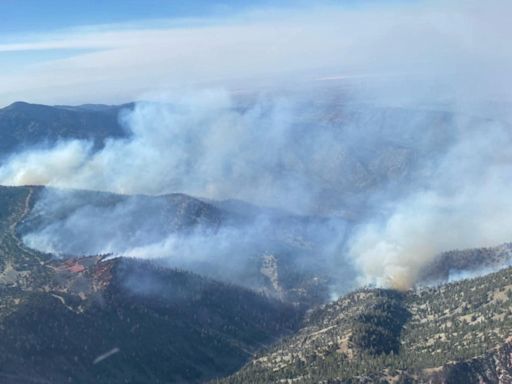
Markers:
(91, 319)
(456, 333)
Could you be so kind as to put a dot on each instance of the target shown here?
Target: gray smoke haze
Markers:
(463, 203)
(416, 153)
(226, 242)
(197, 143)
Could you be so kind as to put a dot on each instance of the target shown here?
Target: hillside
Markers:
(24, 125)
(464, 262)
(164, 326)
(456, 333)
(272, 252)
(92, 319)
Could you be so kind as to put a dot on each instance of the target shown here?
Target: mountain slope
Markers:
(272, 252)
(429, 335)
(24, 125)
(91, 319)
(163, 326)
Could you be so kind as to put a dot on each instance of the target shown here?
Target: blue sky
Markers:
(88, 51)
(42, 15)
(48, 48)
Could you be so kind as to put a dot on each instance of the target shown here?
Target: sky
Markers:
(41, 16)
(73, 52)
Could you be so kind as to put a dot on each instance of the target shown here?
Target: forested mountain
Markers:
(454, 333)
(93, 319)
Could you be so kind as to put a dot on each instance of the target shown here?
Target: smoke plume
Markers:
(409, 160)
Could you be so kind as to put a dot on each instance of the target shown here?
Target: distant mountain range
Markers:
(24, 125)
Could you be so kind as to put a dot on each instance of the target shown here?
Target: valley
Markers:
(108, 287)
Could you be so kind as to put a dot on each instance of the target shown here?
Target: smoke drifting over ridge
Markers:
(197, 143)
(465, 204)
(421, 160)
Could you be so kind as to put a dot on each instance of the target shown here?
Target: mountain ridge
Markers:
(24, 125)
(465, 326)
(59, 316)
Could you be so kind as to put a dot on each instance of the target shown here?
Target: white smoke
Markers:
(179, 231)
(462, 203)
(198, 143)
(417, 150)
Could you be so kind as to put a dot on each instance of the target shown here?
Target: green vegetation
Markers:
(377, 329)
(18, 263)
(381, 336)
(58, 316)
(169, 326)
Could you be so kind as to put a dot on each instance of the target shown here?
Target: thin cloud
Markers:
(122, 62)
(126, 59)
